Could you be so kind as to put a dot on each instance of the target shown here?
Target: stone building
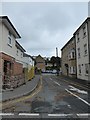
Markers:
(40, 63)
(68, 58)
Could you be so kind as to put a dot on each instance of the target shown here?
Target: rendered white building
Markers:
(11, 54)
(82, 37)
(28, 65)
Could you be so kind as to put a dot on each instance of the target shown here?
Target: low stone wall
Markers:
(13, 81)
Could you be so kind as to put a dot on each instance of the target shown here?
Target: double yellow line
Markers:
(7, 104)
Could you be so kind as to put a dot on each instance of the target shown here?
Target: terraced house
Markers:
(8, 36)
(68, 58)
(11, 55)
(82, 37)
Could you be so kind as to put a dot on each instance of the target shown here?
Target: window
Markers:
(72, 70)
(85, 49)
(69, 69)
(84, 31)
(79, 68)
(86, 69)
(71, 54)
(78, 52)
(9, 39)
(17, 53)
(21, 55)
(78, 39)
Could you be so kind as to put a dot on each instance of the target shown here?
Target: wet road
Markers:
(54, 98)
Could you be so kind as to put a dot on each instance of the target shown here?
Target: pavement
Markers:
(84, 83)
(21, 91)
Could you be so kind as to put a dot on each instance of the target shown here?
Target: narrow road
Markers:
(54, 98)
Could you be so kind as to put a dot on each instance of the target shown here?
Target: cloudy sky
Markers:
(47, 25)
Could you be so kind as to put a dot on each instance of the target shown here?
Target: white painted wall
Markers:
(9, 50)
(12, 50)
(83, 59)
(6, 48)
(27, 61)
(19, 55)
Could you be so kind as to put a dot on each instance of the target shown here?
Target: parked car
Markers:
(54, 72)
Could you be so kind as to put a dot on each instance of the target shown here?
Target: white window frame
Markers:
(86, 69)
(69, 69)
(10, 39)
(79, 69)
(21, 54)
(84, 31)
(78, 37)
(72, 70)
(73, 53)
(85, 49)
(17, 52)
(79, 55)
(70, 55)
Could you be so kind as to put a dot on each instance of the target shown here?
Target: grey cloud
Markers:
(43, 26)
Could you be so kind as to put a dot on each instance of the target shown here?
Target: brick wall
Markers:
(18, 68)
(16, 76)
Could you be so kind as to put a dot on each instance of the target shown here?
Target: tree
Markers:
(58, 61)
(47, 61)
(53, 60)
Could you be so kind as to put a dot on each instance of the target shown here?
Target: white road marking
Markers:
(62, 115)
(6, 114)
(69, 106)
(78, 97)
(29, 114)
(55, 82)
(77, 90)
(50, 78)
(83, 114)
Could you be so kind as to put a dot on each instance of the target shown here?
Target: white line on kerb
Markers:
(78, 97)
(83, 114)
(55, 115)
(28, 114)
(6, 114)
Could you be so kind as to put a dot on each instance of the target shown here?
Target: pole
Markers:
(57, 61)
(56, 52)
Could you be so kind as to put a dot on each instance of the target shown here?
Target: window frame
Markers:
(86, 69)
(84, 31)
(79, 55)
(85, 49)
(9, 39)
(78, 37)
(79, 69)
